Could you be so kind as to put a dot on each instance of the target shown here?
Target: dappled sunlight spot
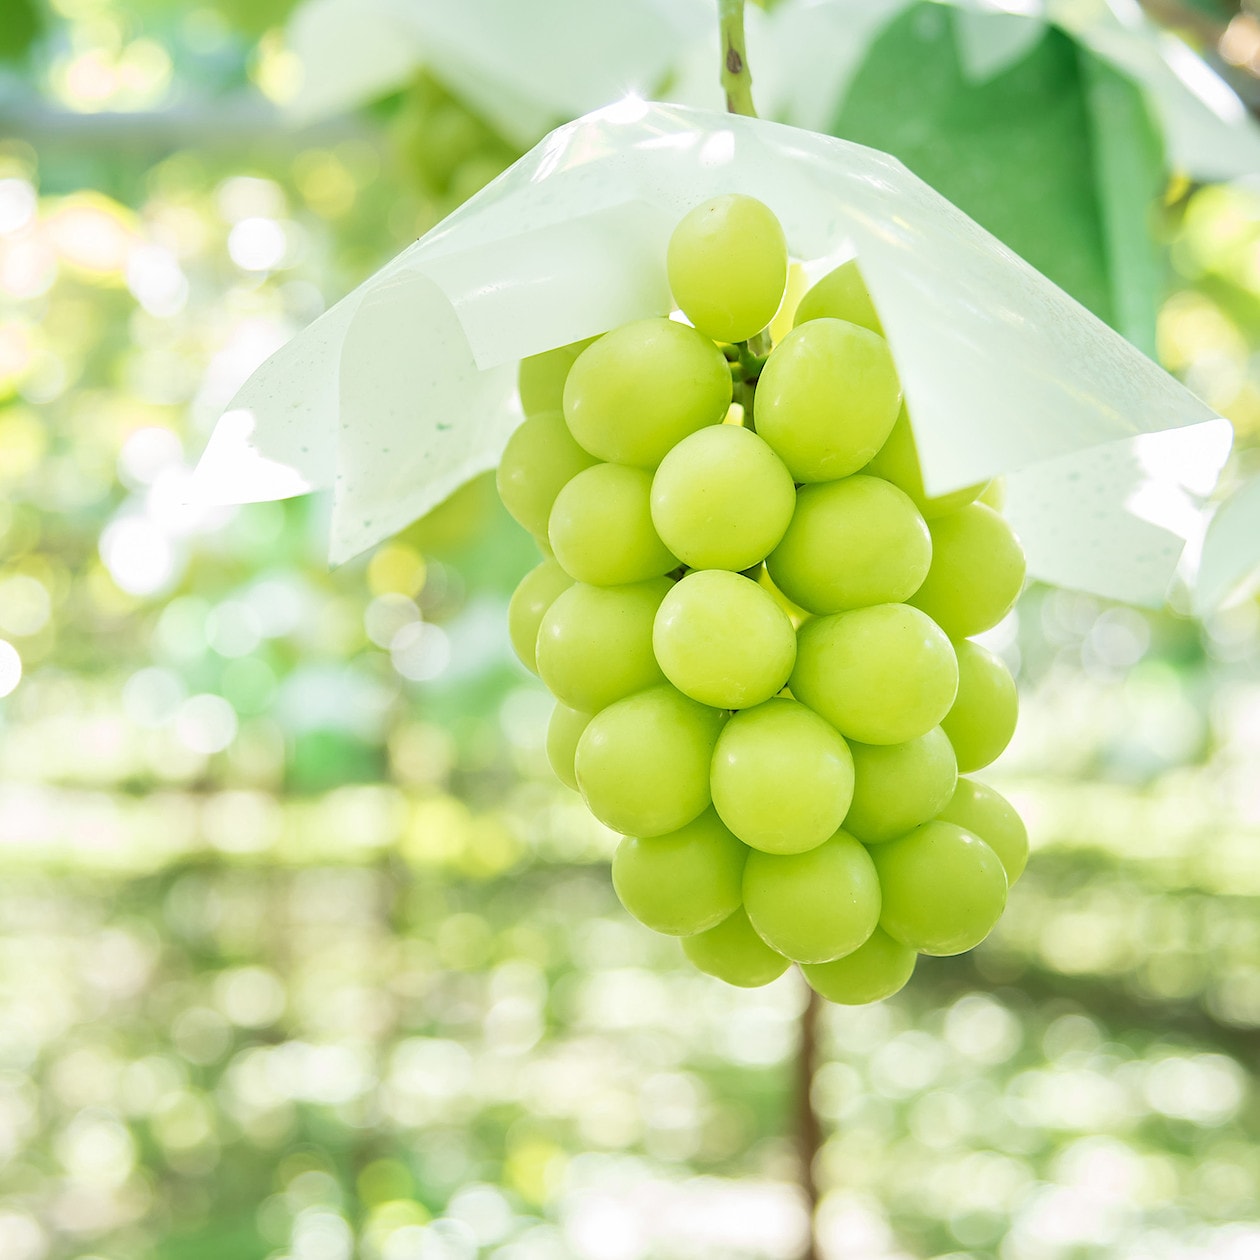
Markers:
(205, 723)
(157, 281)
(134, 77)
(420, 651)
(428, 1079)
(96, 1148)
(21, 1236)
(321, 1234)
(25, 605)
(257, 244)
(138, 554)
(1086, 940)
(396, 570)
(909, 1063)
(387, 615)
(232, 629)
(28, 266)
(615, 1209)
(1073, 1099)
(151, 696)
(439, 831)
(93, 234)
(146, 453)
(485, 1210)
(981, 1028)
(18, 345)
(10, 668)
(250, 996)
(855, 1227)
(1205, 1089)
(239, 821)
(18, 204)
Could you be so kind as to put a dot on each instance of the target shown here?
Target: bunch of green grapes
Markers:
(758, 627)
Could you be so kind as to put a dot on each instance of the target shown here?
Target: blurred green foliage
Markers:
(304, 954)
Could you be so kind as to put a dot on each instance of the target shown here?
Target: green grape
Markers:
(977, 571)
(640, 389)
(813, 906)
(682, 883)
(540, 378)
(733, 952)
(840, 294)
(982, 719)
(540, 458)
(727, 264)
(643, 762)
(782, 778)
(977, 808)
(880, 675)
(536, 592)
(827, 398)
(563, 732)
(851, 543)
(876, 969)
(898, 786)
(601, 528)
(722, 498)
(943, 888)
(994, 494)
(722, 640)
(898, 461)
(595, 643)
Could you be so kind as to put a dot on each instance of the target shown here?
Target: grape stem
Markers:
(736, 77)
(808, 1127)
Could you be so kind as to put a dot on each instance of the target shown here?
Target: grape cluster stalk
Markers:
(759, 628)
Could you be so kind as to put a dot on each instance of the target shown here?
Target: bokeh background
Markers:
(303, 952)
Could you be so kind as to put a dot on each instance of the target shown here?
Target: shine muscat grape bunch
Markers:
(759, 635)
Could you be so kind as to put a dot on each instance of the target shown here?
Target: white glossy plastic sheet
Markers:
(406, 388)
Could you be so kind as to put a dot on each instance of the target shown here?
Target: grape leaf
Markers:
(1029, 153)
(20, 26)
